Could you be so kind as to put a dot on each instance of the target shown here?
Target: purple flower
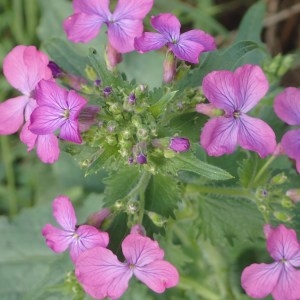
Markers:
(23, 67)
(280, 278)
(141, 159)
(77, 238)
(186, 46)
(287, 108)
(123, 25)
(236, 93)
(103, 275)
(57, 109)
(179, 144)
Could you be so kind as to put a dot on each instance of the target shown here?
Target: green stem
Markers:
(187, 283)
(18, 22)
(31, 11)
(263, 169)
(228, 191)
(10, 176)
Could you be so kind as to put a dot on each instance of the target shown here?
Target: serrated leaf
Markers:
(189, 162)
(119, 184)
(66, 56)
(159, 107)
(252, 19)
(226, 220)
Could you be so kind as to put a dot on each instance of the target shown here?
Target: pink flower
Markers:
(236, 93)
(77, 238)
(57, 109)
(186, 46)
(280, 278)
(179, 144)
(124, 24)
(287, 108)
(23, 67)
(103, 275)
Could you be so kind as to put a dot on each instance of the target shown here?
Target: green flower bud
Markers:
(118, 205)
(111, 140)
(279, 179)
(91, 73)
(126, 134)
(168, 153)
(132, 207)
(142, 133)
(136, 121)
(112, 126)
(115, 108)
(157, 219)
(282, 216)
(287, 203)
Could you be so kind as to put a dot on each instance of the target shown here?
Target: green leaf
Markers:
(189, 162)
(159, 107)
(227, 220)
(65, 55)
(119, 185)
(252, 23)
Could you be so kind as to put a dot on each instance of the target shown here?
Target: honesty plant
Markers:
(236, 93)
(78, 238)
(280, 278)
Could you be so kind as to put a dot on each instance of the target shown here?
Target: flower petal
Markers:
(251, 86)
(27, 137)
(75, 104)
(219, 136)
(287, 106)
(219, 88)
(47, 148)
(87, 237)
(256, 135)
(56, 239)
(92, 7)
(288, 287)
(187, 50)
(46, 120)
(149, 41)
(132, 9)
(12, 114)
(141, 250)
(69, 131)
(81, 28)
(168, 25)
(121, 34)
(64, 214)
(157, 275)
(101, 273)
(24, 67)
(282, 243)
(259, 280)
(290, 143)
(200, 37)
(49, 93)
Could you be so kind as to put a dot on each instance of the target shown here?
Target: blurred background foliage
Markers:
(27, 186)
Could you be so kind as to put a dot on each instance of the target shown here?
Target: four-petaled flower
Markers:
(287, 108)
(236, 93)
(186, 46)
(77, 238)
(123, 25)
(280, 278)
(103, 275)
(57, 109)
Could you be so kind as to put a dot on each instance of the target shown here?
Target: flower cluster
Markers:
(97, 268)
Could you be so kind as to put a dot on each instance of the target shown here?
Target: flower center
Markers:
(236, 114)
(66, 113)
(131, 266)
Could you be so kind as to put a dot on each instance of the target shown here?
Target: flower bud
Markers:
(97, 82)
(88, 117)
(133, 207)
(141, 159)
(281, 216)
(294, 195)
(157, 219)
(97, 218)
(142, 133)
(107, 91)
(279, 179)
(169, 66)
(112, 57)
(131, 99)
(179, 144)
(57, 72)
(91, 73)
(111, 140)
(138, 229)
(112, 126)
(209, 109)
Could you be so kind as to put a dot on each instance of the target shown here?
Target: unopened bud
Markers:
(169, 66)
(141, 159)
(179, 144)
(107, 91)
(294, 195)
(209, 109)
(157, 219)
(138, 229)
(112, 57)
(57, 72)
(133, 207)
(281, 216)
(91, 73)
(97, 218)
(279, 179)
(131, 99)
